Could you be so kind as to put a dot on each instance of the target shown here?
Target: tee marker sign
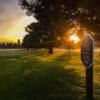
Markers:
(87, 50)
(87, 57)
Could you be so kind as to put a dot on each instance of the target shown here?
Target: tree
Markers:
(52, 15)
(56, 16)
(35, 38)
(88, 14)
(18, 43)
(26, 42)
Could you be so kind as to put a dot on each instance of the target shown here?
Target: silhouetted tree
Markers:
(18, 43)
(56, 16)
(52, 15)
(26, 42)
(9, 45)
(34, 39)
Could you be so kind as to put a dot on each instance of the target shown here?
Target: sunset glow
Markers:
(16, 29)
(13, 21)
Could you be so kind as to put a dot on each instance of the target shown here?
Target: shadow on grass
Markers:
(49, 82)
(52, 84)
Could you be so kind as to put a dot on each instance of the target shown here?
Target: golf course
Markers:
(36, 75)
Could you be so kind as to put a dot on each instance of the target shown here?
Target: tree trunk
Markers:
(27, 48)
(50, 48)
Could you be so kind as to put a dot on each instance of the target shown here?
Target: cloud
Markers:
(9, 12)
(12, 19)
(17, 31)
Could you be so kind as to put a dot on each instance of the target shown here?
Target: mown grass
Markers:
(35, 75)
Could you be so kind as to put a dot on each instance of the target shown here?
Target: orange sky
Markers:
(13, 21)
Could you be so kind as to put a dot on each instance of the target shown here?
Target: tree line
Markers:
(11, 44)
(56, 17)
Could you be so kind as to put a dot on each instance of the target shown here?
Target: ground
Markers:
(36, 75)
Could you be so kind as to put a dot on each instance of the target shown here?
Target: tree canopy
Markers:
(57, 16)
(55, 12)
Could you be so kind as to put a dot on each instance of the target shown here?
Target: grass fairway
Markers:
(35, 75)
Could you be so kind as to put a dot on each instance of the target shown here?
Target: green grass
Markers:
(35, 75)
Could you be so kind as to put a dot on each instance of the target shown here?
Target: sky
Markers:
(13, 21)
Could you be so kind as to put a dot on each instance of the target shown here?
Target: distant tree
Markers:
(39, 35)
(18, 43)
(9, 45)
(34, 38)
(26, 42)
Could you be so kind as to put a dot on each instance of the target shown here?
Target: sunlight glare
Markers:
(74, 38)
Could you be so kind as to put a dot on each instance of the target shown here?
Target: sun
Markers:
(74, 38)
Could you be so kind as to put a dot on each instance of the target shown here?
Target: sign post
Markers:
(87, 57)
(69, 49)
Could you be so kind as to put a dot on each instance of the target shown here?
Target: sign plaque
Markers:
(87, 50)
